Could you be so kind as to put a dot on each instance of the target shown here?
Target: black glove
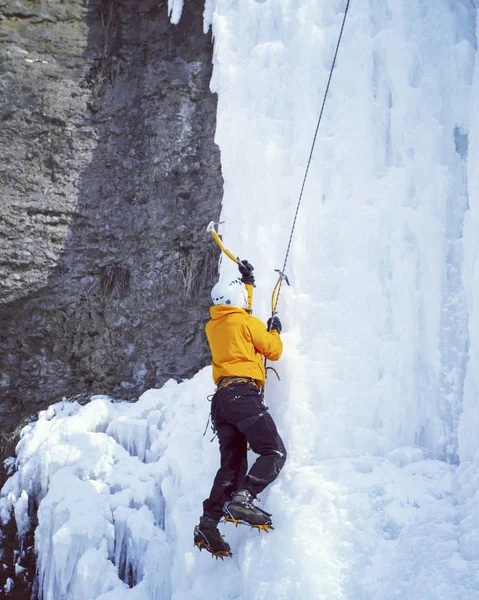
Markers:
(274, 324)
(246, 269)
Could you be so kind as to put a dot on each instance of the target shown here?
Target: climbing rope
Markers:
(283, 271)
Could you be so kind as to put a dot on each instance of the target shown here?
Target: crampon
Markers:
(259, 526)
(208, 537)
(216, 553)
(242, 511)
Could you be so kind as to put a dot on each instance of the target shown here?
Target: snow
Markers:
(377, 402)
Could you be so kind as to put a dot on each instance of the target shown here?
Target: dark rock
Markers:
(109, 177)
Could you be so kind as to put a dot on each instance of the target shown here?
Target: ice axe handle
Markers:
(220, 244)
(277, 287)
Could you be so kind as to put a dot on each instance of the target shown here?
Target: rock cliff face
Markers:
(109, 176)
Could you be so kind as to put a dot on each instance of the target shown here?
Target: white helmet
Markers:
(233, 293)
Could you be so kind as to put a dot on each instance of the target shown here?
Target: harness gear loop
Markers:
(211, 417)
(207, 423)
(275, 372)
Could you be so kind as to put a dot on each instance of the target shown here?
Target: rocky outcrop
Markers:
(109, 176)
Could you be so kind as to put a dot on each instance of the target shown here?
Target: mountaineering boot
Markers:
(242, 510)
(207, 536)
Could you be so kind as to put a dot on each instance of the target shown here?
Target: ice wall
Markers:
(376, 316)
(112, 482)
(469, 424)
(378, 394)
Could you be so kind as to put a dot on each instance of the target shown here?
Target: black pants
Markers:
(240, 417)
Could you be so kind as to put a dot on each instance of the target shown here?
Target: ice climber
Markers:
(238, 342)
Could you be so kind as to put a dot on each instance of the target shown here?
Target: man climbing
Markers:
(238, 342)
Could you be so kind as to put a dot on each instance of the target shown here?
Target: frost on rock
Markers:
(175, 8)
(8, 586)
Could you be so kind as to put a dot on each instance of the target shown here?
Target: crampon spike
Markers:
(221, 554)
(229, 519)
(260, 527)
(266, 527)
(216, 553)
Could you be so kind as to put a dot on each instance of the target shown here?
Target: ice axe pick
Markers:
(211, 229)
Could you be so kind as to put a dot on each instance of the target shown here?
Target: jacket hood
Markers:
(222, 310)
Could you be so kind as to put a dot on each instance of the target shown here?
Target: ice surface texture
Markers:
(378, 398)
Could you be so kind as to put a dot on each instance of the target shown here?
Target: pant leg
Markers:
(264, 440)
(241, 405)
(233, 467)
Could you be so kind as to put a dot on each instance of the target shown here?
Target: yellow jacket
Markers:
(238, 341)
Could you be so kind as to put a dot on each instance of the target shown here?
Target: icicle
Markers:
(175, 8)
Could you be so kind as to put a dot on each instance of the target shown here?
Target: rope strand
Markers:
(312, 146)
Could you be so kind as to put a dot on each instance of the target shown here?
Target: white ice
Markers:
(378, 398)
(175, 8)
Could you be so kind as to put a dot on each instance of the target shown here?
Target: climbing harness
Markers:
(244, 424)
(226, 381)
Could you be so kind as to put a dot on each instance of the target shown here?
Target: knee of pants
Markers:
(278, 454)
(282, 455)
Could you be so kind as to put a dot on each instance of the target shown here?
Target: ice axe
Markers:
(282, 276)
(274, 297)
(211, 229)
